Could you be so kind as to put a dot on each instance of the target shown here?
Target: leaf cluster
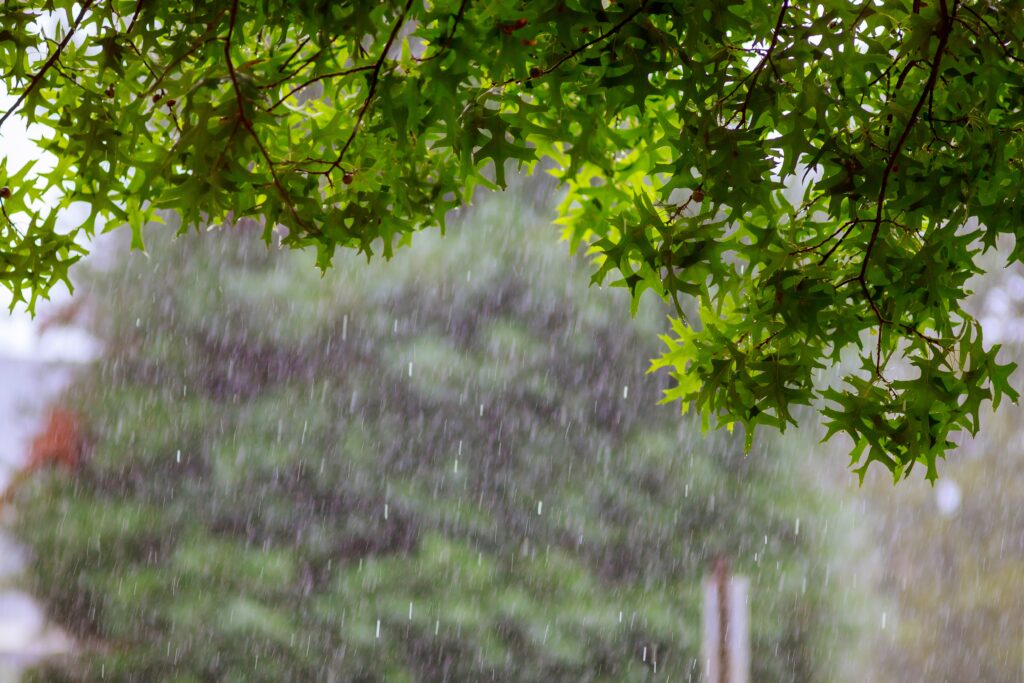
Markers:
(812, 177)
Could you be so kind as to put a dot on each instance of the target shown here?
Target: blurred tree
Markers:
(676, 126)
(442, 468)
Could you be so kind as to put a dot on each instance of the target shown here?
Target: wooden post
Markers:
(726, 643)
(722, 635)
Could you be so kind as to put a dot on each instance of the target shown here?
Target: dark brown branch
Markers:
(828, 254)
(207, 37)
(315, 79)
(594, 41)
(1000, 41)
(538, 73)
(773, 335)
(218, 163)
(899, 85)
(247, 122)
(447, 40)
(767, 59)
(152, 73)
(374, 77)
(3, 210)
(756, 71)
(944, 29)
(287, 77)
(924, 337)
(135, 16)
(814, 247)
(54, 56)
(885, 74)
(294, 54)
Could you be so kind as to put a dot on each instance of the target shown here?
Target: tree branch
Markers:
(287, 77)
(944, 29)
(447, 40)
(1000, 41)
(537, 72)
(847, 226)
(315, 79)
(294, 54)
(247, 122)
(207, 37)
(756, 72)
(765, 60)
(135, 16)
(594, 41)
(49, 62)
(374, 77)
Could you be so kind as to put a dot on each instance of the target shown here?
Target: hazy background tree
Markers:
(443, 468)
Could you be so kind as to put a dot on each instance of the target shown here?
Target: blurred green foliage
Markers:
(445, 467)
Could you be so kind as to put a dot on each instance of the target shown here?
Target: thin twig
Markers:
(447, 40)
(767, 59)
(207, 37)
(945, 28)
(756, 72)
(818, 245)
(1000, 41)
(135, 16)
(374, 77)
(247, 122)
(287, 77)
(773, 335)
(576, 51)
(54, 56)
(590, 43)
(3, 210)
(293, 55)
(311, 81)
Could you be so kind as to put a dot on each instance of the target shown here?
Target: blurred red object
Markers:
(60, 442)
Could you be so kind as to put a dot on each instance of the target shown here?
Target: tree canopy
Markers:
(799, 180)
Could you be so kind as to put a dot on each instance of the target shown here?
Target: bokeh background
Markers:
(453, 467)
